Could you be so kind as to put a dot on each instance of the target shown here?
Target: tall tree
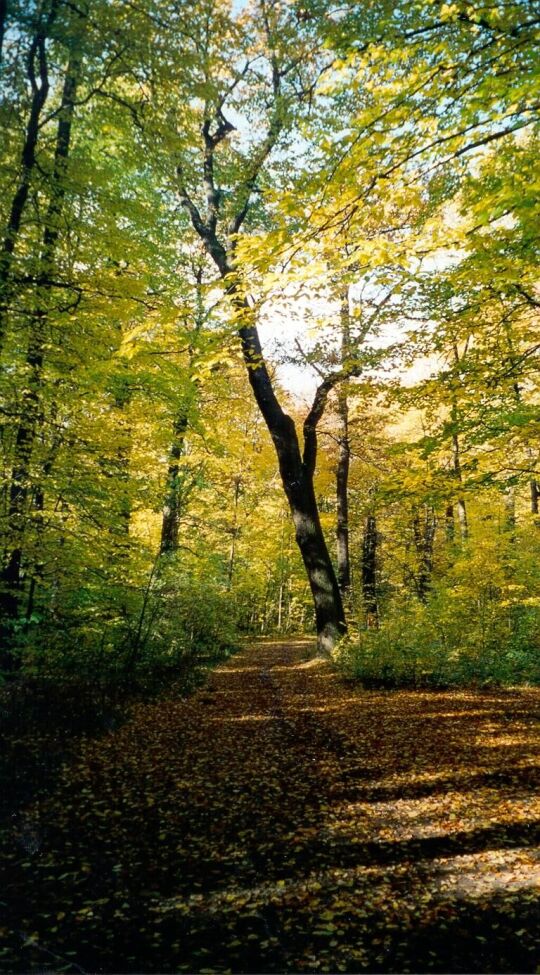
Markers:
(10, 577)
(218, 226)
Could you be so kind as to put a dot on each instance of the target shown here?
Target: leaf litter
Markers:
(282, 819)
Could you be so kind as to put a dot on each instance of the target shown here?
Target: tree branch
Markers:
(316, 412)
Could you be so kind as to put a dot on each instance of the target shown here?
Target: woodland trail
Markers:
(283, 820)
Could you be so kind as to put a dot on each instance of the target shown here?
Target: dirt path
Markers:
(284, 820)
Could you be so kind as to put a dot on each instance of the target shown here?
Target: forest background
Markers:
(360, 182)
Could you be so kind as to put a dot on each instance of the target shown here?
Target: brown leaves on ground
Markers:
(283, 820)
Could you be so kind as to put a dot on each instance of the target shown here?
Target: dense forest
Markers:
(269, 346)
(356, 185)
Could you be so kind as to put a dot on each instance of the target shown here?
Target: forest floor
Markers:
(283, 820)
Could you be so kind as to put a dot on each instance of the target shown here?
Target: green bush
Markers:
(446, 643)
(159, 623)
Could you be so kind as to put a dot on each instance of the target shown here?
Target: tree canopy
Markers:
(247, 249)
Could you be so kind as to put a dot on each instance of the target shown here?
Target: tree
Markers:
(218, 227)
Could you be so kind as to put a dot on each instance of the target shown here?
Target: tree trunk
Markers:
(424, 538)
(234, 532)
(329, 613)
(173, 504)
(456, 459)
(11, 575)
(535, 496)
(461, 505)
(369, 571)
(297, 472)
(39, 82)
(450, 523)
(343, 464)
(463, 519)
(510, 511)
(122, 524)
(296, 469)
(3, 18)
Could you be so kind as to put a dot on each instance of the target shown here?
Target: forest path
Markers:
(282, 820)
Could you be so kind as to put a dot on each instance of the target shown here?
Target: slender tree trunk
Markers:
(297, 472)
(234, 532)
(39, 510)
(463, 519)
(173, 504)
(37, 71)
(174, 499)
(456, 458)
(3, 19)
(369, 571)
(11, 576)
(344, 459)
(450, 523)
(424, 538)
(535, 496)
(461, 504)
(280, 606)
(510, 510)
(123, 455)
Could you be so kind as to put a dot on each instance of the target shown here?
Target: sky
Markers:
(282, 324)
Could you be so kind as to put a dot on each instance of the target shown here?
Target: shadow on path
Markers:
(282, 820)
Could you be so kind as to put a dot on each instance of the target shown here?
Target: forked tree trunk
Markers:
(297, 468)
(297, 472)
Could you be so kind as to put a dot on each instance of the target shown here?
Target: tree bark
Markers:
(535, 496)
(463, 519)
(11, 574)
(424, 538)
(3, 19)
(510, 511)
(343, 463)
(450, 523)
(37, 71)
(173, 503)
(297, 472)
(461, 504)
(296, 468)
(456, 456)
(369, 571)
(234, 532)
